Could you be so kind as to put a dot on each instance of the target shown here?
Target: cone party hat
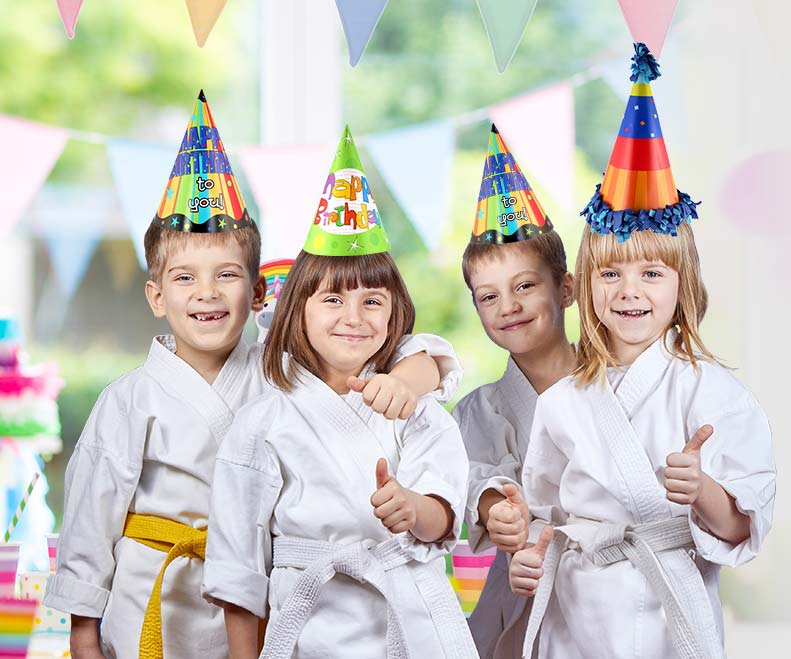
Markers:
(202, 194)
(347, 222)
(638, 191)
(508, 209)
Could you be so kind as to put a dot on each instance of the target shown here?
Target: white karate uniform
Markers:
(299, 467)
(495, 421)
(149, 448)
(595, 469)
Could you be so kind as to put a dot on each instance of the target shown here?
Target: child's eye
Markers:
(228, 275)
(333, 299)
(652, 274)
(373, 302)
(608, 274)
(525, 285)
(487, 298)
(183, 278)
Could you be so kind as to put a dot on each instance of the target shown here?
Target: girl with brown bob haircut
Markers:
(288, 334)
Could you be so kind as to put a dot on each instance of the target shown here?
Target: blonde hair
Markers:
(676, 252)
(288, 333)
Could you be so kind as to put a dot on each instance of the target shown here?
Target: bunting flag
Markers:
(70, 255)
(540, 130)
(649, 21)
(138, 170)
(31, 149)
(283, 179)
(203, 16)
(69, 11)
(415, 163)
(505, 22)
(122, 261)
(359, 19)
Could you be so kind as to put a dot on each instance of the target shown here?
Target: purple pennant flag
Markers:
(359, 19)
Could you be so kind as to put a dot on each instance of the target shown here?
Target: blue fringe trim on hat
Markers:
(603, 219)
(644, 65)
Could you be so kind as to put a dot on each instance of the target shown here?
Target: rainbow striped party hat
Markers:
(202, 194)
(347, 222)
(508, 209)
(638, 191)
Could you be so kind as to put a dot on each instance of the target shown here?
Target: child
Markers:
(327, 519)
(653, 461)
(137, 485)
(516, 272)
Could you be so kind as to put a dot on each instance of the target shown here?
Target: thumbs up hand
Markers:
(527, 565)
(393, 504)
(508, 520)
(683, 476)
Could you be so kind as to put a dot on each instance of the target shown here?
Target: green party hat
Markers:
(347, 222)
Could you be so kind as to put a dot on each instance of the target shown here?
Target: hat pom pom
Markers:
(644, 65)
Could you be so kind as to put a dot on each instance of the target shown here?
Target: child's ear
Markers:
(567, 290)
(155, 299)
(259, 293)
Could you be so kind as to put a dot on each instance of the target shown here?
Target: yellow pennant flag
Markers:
(204, 14)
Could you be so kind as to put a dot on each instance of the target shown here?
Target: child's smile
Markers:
(636, 302)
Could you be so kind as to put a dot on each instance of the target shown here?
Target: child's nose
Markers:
(207, 290)
(353, 315)
(511, 304)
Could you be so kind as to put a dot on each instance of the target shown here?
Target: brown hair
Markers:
(676, 252)
(288, 333)
(160, 242)
(548, 246)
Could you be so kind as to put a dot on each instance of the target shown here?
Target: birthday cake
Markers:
(28, 407)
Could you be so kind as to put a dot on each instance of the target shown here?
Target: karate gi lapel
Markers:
(519, 395)
(180, 379)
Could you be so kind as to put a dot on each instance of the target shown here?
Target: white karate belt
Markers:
(673, 576)
(367, 563)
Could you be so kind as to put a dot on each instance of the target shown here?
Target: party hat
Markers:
(347, 222)
(202, 194)
(508, 209)
(638, 191)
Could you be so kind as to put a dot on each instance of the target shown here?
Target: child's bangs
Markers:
(350, 272)
(642, 245)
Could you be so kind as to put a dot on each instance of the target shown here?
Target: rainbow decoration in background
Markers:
(467, 573)
(16, 627)
(274, 273)
(202, 194)
(508, 209)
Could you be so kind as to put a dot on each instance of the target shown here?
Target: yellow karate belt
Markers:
(175, 539)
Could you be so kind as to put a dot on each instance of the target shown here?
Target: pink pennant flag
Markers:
(649, 21)
(286, 182)
(31, 149)
(539, 129)
(69, 11)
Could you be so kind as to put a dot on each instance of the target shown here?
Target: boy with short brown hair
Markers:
(515, 268)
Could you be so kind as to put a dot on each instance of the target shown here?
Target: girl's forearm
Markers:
(419, 372)
(717, 509)
(434, 518)
(241, 626)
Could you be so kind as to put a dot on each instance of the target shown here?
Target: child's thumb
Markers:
(513, 494)
(355, 384)
(544, 540)
(382, 473)
(698, 439)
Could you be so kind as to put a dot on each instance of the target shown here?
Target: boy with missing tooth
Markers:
(137, 486)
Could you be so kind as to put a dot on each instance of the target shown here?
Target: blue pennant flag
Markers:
(359, 19)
